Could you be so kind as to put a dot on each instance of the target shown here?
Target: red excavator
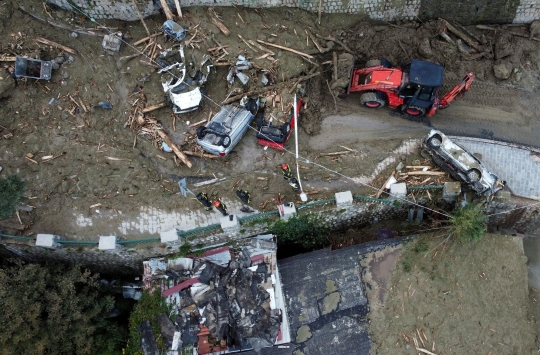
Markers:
(412, 89)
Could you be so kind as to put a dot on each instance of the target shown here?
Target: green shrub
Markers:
(468, 223)
(11, 193)
(308, 231)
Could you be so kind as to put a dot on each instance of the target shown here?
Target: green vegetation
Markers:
(149, 307)
(307, 231)
(53, 309)
(11, 193)
(468, 223)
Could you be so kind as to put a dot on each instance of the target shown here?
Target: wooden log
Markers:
(217, 22)
(168, 13)
(381, 190)
(265, 89)
(5, 58)
(140, 17)
(154, 107)
(200, 155)
(334, 58)
(483, 27)
(334, 153)
(461, 35)
(178, 9)
(56, 45)
(347, 49)
(142, 40)
(320, 10)
(197, 123)
(432, 173)
(315, 42)
(255, 44)
(286, 49)
(174, 147)
(247, 44)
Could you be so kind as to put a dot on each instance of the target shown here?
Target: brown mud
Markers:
(109, 164)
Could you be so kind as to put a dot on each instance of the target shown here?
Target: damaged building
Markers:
(221, 302)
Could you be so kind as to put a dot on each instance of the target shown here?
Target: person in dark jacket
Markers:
(204, 200)
(294, 184)
(221, 207)
(286, 171)
(244, 196)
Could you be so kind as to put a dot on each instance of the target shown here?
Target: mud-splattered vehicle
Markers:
(460, 164)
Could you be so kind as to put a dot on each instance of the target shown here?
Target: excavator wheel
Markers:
(414, 110)
(371, 100)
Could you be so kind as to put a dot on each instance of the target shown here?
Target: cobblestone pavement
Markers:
(518, 165)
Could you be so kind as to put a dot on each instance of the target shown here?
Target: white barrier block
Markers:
(344, 199)
(46, 240)
(107, 242)
(286, 210)
(398, 190)
(229, 223)
(169, 236)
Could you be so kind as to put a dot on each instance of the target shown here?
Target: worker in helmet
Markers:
(244, 196)
(286, 171)
(204, 200)
(220, 206)
(294, 184)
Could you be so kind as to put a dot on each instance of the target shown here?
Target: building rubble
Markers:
(224, 301)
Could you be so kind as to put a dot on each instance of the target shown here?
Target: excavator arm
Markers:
(459, 89)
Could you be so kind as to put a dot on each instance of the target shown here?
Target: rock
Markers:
(74, 34)
(6, 87)
(65, 74)
(501, 71)
(503, 46)
(55, 65)
(535, 28)
(340, 83)
(425, 49)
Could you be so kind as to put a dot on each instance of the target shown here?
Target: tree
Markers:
(468, 223)
(54, 309)
(11, 193)
(307, 231)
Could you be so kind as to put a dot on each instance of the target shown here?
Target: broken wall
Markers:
(463, 11)
(129, 260)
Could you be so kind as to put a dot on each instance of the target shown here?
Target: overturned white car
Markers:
(182, 82)
(460, 164)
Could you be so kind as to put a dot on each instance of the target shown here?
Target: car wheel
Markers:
(252, 106)
(414, 110)
(373, 63)
(435, 141)
(474, 175)
(225, 141)
(201, 132)
(371, 100)
(260, 120)
(168, 101)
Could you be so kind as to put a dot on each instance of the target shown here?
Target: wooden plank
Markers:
(56, 45)
(168, 13)
(154, 107)
(286, 49)
(175, 148)
(431, 173)
(178, 9)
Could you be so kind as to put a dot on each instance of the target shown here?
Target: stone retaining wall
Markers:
(464, 11)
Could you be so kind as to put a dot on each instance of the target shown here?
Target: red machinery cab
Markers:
(414, 88)
(274, 136)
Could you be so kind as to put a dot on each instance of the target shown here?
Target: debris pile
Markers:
(221, 301)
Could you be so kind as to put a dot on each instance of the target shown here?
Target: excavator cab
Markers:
(421, 83)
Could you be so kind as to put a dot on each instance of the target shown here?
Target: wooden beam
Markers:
(168, 13)
(178, 9)
(140, 17)
(432, 173)
(286, 49)
(174, 147)
(154, 107)
(56, 45)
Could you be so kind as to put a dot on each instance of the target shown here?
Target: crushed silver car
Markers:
(182, 81)
(460, 164)
(227, 127)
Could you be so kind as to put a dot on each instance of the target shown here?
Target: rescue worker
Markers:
(204, 200)
(244, 196)
(286, 171)
(220, 206)
(294, 184)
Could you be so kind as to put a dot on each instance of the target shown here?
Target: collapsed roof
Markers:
(221, 302)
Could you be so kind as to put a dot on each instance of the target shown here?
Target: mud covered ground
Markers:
(452, 298)
(110, 164)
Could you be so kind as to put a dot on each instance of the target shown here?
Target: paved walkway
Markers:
(518, 165)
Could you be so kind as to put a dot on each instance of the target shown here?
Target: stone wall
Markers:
(464, 11)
